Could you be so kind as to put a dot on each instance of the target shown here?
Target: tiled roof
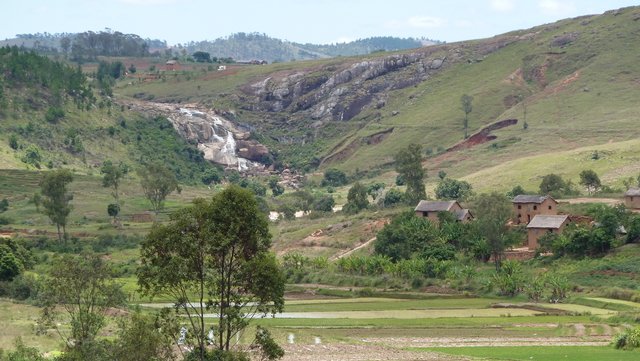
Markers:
(632, 192)
(434, 206)
(524, 198)
(547, 221)
(460, 215)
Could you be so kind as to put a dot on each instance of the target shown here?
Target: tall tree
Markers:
(357, 199)
(112, 174)
(466, 101)
(493, 212)
(214, 257)
(589, 178)
(57, 198)
(157, 182)
(84, 287)
(409, 166)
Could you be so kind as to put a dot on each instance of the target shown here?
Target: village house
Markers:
(430, 209)
(543, 224)
(526, 207)
(171, 65)
(632, 198)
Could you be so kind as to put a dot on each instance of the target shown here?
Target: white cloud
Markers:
(502, 5)
(556, 7)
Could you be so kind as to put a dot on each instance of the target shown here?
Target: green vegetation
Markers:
(408, 164)
(543, 353)
(219, 252)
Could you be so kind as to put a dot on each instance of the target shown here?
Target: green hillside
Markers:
(576, 78)
(52, 116)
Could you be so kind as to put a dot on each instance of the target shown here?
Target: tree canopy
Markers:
(157, 182)
(493, 211)
(590, 179)
(214, 257)
(409, 166)
(449, 188)
(57, 198)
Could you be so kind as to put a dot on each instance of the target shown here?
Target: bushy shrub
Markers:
(627, 340)
(509, 280)
(334, 178)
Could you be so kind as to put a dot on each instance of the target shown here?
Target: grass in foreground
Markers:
(540, 353)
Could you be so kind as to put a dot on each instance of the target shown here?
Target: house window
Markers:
(519, 215)
(535, 208)
(549, 207)
(425, 214)
(520, 207)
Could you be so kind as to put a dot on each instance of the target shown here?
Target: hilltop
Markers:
(239, 46)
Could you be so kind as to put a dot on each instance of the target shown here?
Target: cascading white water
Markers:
(217, 147)
(229, 146)
(215, 135)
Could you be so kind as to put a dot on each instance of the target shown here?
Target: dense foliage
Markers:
(214, 257)
(20, 68)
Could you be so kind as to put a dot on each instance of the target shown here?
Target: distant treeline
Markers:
(87, 45)
(257, 46)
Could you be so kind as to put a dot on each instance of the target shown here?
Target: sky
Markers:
(304, 21)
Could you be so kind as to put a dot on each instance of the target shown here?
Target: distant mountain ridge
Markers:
(250, 46)
(239, 46)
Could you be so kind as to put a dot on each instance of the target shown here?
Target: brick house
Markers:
(632, 198)
(430, 209)
(543, 224)
(526, 207)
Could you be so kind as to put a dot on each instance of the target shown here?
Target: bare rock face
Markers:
(218, 138)
(252, 150)
(339, 92)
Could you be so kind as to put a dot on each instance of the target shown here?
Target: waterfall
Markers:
(215, 135)
(229, 146)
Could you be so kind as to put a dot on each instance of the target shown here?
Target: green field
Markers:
(541, 353)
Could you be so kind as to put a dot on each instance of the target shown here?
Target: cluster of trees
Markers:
(89, 45)
(409, 236)
(556, 186)
(211, 257)
(368, 45)
(20, 68)
(249, 46)
(613, 226)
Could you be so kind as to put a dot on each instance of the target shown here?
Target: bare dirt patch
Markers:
(489, 341)
(608, 201)
(346, 352)
(483, 135)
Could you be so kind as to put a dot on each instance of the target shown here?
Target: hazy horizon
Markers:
(196, 20)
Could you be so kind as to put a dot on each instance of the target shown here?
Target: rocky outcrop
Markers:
(218, 138)
(340, 92)
(331, 93)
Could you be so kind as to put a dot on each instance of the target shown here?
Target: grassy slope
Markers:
(589, 101)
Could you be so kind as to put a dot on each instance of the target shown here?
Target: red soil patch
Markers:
(483, 135)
